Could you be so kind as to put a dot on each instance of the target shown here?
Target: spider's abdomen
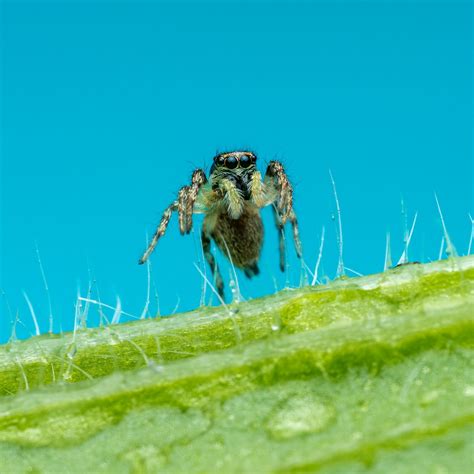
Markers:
(243, 237)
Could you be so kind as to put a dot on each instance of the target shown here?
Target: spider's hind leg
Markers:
(206, 246)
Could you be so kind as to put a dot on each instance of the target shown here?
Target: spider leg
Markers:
(184, 205)
(206, 246)
(281, 237)
(296, 234)
(160, 230)
(198, 179)
(276, 177)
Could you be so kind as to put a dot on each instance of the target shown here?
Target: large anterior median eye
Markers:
(231, 162)
(244, 161)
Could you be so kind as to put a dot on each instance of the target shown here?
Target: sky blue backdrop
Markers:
(107, 108)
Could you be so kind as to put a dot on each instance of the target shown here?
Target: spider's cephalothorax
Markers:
(231, 200)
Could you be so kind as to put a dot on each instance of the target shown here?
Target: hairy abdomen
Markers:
(243, 236)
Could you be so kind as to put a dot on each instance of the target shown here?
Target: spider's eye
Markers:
(245, 161)
(231, 162)
(219, 160)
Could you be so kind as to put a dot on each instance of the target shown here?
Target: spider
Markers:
(231, 200)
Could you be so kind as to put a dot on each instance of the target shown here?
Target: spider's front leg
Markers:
(184, 205)
(276, 180)
(160, 230)
(281, 237)
(276, 177)
(198, 179)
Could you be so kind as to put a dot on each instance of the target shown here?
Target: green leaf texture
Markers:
(371, 374)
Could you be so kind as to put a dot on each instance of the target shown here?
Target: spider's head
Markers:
(235, 162)
(236, 166)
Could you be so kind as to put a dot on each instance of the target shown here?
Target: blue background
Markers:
(107, 108)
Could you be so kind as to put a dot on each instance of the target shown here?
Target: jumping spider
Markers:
(231, 200)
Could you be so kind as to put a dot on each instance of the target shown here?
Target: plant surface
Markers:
(371, 374)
